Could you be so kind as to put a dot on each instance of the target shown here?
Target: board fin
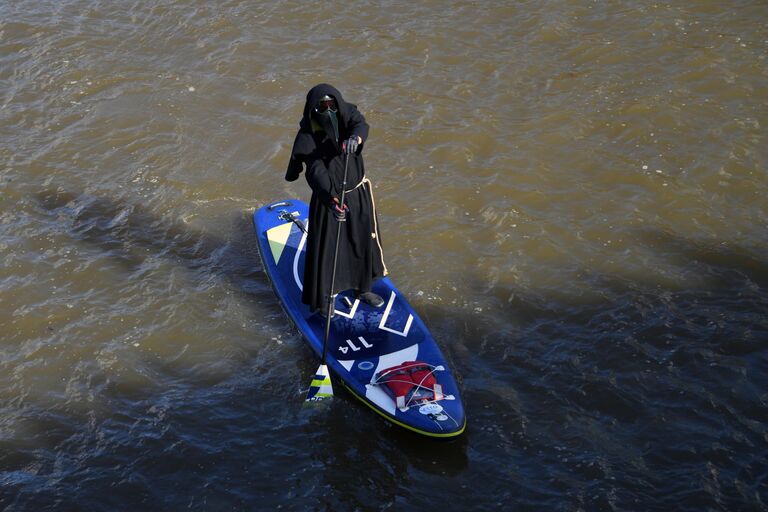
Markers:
(321, 387)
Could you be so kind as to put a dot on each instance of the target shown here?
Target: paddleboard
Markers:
(384, 356)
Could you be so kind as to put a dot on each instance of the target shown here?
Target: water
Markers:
(572, 194)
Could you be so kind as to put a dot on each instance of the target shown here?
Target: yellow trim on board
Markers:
(412, 429)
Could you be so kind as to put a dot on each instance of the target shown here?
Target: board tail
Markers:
(321, 387)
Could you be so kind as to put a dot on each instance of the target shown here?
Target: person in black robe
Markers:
(332, 130)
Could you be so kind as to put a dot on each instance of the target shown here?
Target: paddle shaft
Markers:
(331, 297)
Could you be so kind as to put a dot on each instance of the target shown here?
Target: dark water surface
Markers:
(572, 195)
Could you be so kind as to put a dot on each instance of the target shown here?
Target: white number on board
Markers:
(354, 347)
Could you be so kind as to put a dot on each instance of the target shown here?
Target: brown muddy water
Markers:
(571, 194)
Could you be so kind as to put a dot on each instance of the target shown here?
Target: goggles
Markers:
(325, 105)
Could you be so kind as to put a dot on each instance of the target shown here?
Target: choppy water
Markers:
(572, 195)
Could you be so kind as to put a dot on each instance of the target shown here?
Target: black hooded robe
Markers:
(360, 259)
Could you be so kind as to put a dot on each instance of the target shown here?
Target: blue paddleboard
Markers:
(384, 356)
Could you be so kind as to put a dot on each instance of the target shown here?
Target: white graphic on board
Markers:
(352, 311)
(404, 332)
(296, 277)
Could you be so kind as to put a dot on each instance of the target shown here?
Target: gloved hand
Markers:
(339, 212)
(350, 145)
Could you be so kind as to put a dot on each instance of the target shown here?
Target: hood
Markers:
(314, 95)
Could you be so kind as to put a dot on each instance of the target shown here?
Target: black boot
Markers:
(371, 299)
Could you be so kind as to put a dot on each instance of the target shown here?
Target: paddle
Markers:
(321, 387)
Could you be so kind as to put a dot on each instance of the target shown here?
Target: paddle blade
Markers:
(321, 387)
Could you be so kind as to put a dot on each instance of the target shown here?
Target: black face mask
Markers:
(325, 113)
